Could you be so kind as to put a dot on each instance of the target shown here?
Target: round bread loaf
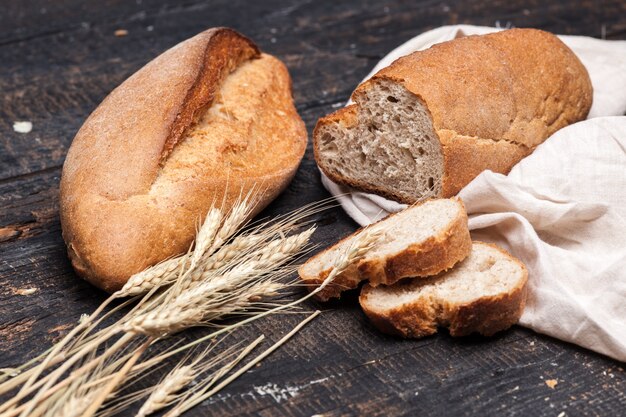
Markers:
(202, 123)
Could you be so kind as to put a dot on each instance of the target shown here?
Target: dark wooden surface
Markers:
(59, 59)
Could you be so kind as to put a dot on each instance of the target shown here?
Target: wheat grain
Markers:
(192, 309)
(166, 392)
(262, 258)
(231, 251)
(237, 216)
(206, 236)
(73, 406)
(151, 277)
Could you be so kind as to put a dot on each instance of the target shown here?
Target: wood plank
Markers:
(57, 78)
(58, 65)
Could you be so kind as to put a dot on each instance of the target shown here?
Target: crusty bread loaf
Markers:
(422, 240)
(203, 122)
(485, 293)
(432, 121)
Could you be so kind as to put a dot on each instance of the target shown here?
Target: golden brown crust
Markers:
(412, 321)
(436, 254)
(465, 157)
(507, 92)
(133, 191)
(224, 51)
(489, 315)
(534, 85)
(486, 315)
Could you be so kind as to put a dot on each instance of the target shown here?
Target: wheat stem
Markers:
(220, 276)
(57, 348)
(58, 357)
(113, 383)
(46, 390)
(165, 393)
(201, 396)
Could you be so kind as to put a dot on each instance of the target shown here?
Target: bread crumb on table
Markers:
(22, 127)
(551, 383)
(26, 291)
(120, 32)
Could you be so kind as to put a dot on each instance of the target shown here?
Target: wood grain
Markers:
(60, 59)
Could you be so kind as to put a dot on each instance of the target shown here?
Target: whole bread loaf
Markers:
(204, 122)
(433, 120)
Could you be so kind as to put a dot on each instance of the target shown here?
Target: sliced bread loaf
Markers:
(485, 293)
(422, 240)
(433, 120)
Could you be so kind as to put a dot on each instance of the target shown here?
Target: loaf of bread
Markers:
(485, 294)
(204, 122)
(432, 121)
(422, 240)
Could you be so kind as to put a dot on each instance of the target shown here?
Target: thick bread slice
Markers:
(433, 120)
(485, 293)
(208, 119)
(420, 241)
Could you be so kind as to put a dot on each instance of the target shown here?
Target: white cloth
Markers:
(561, 210)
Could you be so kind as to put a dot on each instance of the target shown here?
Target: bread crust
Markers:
(486, 315)
(524, 94)
(131, 195)
(437, 254)
(464, 158)
(434, 255)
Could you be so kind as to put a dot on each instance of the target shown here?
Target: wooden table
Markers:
(59, 59)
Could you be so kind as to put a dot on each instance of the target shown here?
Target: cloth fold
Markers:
(561, 210)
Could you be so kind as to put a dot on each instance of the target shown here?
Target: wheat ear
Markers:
(255, 283)
(206, 235)
(207, 390)
(166, 393)
(144, 281)
(168, 390)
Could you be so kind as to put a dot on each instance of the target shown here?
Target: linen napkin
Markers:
(561, 210)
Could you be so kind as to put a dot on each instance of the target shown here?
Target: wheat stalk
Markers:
(207, 390)
(166, 392)
(165, 273)
(192, 309)
(265, 257)
(220, 276)
(194, 304)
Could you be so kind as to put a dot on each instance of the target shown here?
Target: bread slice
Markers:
(433, 120)
(485, 293)
(422, 240)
